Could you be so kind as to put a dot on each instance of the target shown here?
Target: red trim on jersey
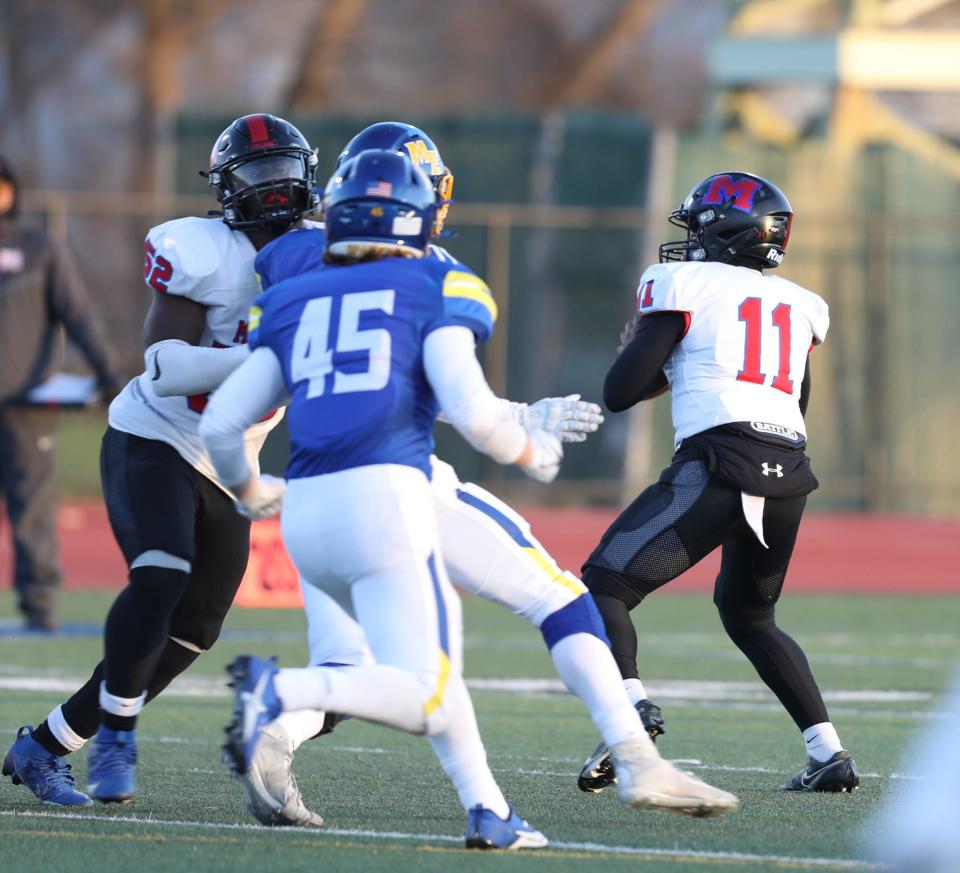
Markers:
(259, 135)
(645, 298)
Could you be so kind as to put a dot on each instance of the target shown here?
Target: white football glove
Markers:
(547, 456)
(263, 498)
(568, 418)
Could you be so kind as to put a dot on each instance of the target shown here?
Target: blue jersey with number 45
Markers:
(350, 342)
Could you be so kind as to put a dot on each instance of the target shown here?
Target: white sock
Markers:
(587, 668)
(62, 732)
(127, 707)
(462, 755)
(301, 724)
(635, 690)
(822, 741)
(377, 692)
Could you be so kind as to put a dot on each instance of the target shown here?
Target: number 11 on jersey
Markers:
(751, 314)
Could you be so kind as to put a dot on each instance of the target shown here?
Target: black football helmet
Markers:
(401, 137)
(261, 169)
(733, 218)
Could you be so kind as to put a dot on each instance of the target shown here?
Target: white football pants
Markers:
(378, 597)
(367, 539)
(488, 550)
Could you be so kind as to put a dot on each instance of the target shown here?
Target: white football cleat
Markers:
(646, 781)
(273, 796)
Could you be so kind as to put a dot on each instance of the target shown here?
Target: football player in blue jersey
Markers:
(488, 548)
(349, 344)
(369, 349)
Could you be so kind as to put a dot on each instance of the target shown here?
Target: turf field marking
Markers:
(591, 848)
(697, 765)
(662, 689)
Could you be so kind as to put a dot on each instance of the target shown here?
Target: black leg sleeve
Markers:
(82, 710)
(616, 620)
(779, 661)
(174, 660)
(137, 628)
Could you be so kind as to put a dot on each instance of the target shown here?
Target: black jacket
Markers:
(39, 291)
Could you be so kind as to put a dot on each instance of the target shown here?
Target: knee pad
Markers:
(580, 616)
(740, 621)
(157, 590)
(601, 580)
(161, 559)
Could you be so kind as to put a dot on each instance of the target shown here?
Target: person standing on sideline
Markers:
(39, 291)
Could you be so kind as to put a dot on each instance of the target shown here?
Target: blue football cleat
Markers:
(486, 830)
(256, 704)
(111, 765)
(47, 775)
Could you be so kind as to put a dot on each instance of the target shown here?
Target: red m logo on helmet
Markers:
(724, 188)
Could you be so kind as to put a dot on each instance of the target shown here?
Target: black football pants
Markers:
(671, 526)
(156, 501)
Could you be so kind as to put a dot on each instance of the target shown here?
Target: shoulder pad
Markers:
(194, 249)
(818, 311)
(467, 301)
(440, 254)
(657, 291)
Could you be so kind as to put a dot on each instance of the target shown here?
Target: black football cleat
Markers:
(839, 773)
(597, 771)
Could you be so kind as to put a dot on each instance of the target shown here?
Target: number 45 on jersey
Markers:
(312, 355)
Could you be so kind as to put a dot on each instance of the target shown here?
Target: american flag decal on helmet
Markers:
(380, 188)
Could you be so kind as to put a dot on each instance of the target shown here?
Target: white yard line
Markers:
(593, 848)
(660, 689)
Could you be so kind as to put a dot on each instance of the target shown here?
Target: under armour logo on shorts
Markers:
(777, 471)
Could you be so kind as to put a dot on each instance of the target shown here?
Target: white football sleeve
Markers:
(177, 368)
(466, 400)
(248, 394)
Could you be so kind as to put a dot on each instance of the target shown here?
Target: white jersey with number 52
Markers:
(203, 260)
(743, 355)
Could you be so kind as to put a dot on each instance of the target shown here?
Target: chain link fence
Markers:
(553, 215)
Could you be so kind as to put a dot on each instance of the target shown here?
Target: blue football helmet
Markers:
(398, 136)
(379, 201)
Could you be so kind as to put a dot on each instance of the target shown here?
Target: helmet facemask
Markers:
(272, 189)
(443, 185)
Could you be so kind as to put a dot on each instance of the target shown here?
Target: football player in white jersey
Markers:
(732, 345)
(488, 548)
(184, 542)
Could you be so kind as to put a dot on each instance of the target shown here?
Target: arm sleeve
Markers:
(178, 368)
(70, 305)
(454, 373)
(637, 373)
(805, 389)
(248, 394)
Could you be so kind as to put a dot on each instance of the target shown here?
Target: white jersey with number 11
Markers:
(743, 354)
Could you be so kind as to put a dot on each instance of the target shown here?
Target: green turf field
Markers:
(388, 807)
